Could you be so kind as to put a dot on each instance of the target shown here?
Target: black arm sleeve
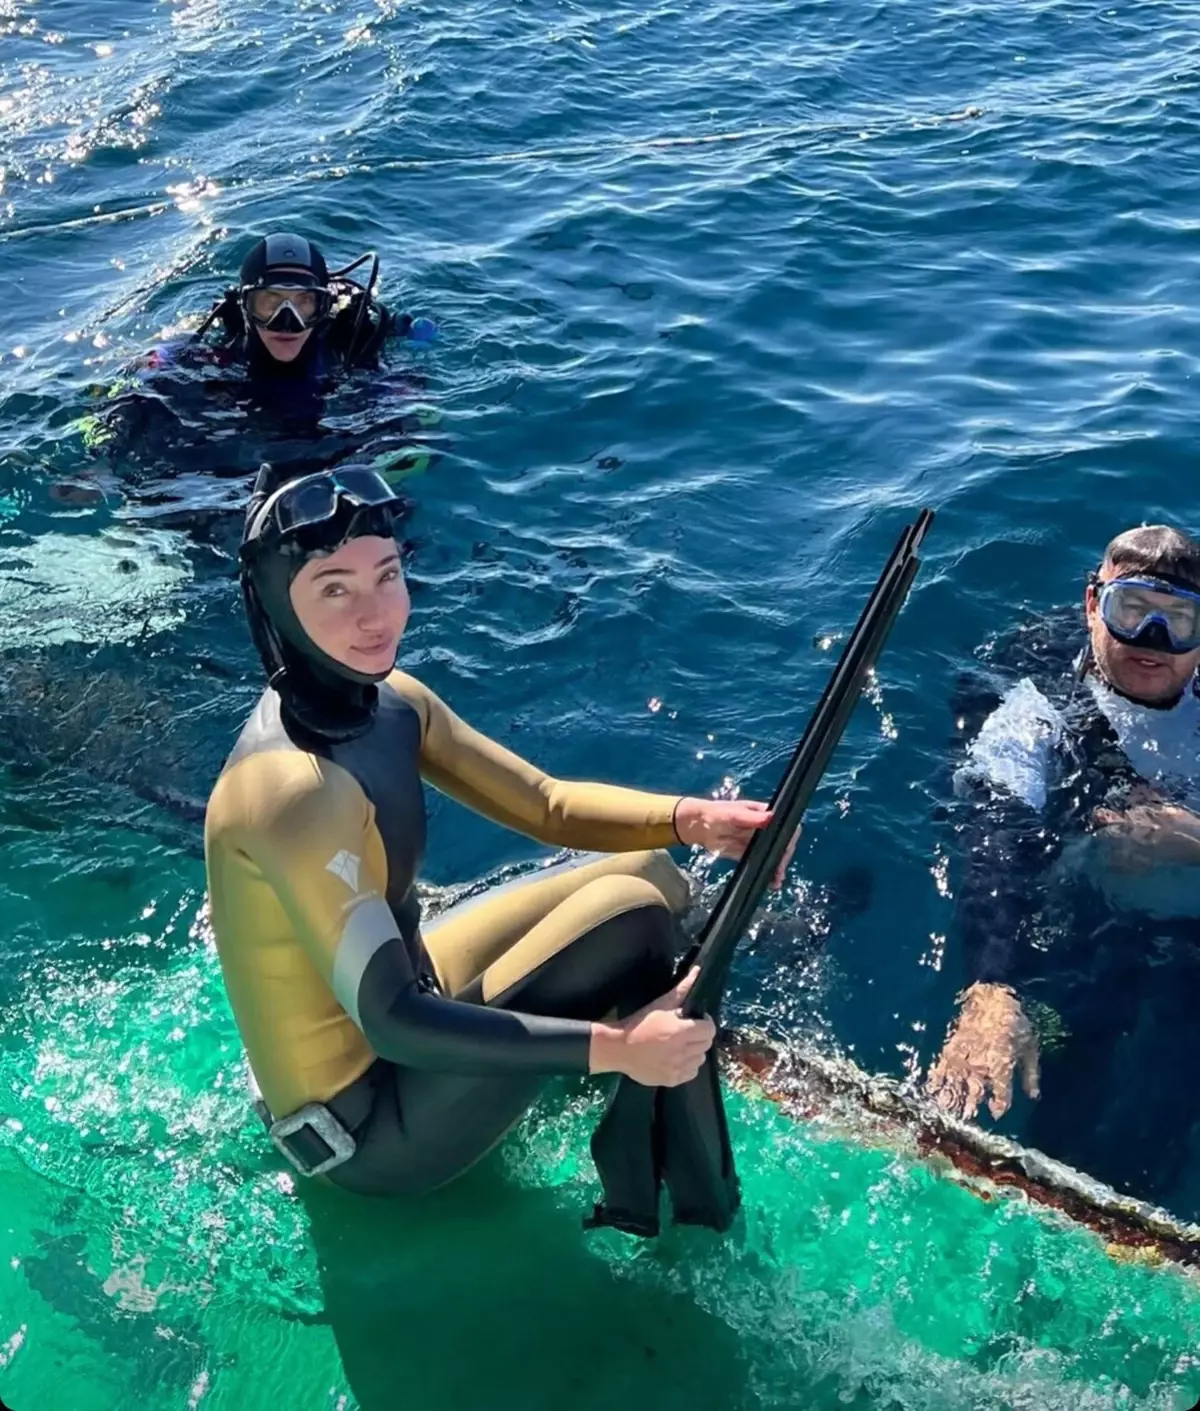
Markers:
(310, 833)
(1007, 849)
(416, 1029)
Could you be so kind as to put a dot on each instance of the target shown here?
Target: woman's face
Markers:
(265, 303)
(353, 603)
(284, 347)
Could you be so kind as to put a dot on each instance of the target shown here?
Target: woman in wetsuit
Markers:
(388, 1057)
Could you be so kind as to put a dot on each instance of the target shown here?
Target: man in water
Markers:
(1078, 904)
(290, 331)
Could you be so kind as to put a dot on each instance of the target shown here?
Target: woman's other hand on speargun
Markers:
(725, 827)
(657, 1046)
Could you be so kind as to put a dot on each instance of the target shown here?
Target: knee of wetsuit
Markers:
(651, 937)
(613, 968)
(664, 873)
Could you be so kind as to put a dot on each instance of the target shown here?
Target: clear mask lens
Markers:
(1133, 608)
(314, 500)
(286, 308)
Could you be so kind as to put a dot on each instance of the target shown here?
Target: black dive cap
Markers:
(285, 526)
(290, 257)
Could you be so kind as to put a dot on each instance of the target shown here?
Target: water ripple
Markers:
(724, 290)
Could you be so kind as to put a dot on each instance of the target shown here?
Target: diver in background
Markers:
(252, 384)
(1078, 905)
(290, 318)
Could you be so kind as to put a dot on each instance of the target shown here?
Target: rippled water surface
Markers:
(724, 291)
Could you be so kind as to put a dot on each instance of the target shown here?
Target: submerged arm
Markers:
(1007, 843)
(1008, 848)
(1007, 851)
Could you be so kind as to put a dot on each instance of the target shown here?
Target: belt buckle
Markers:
(318, 1117)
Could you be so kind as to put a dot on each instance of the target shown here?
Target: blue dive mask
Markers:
(1152, 614)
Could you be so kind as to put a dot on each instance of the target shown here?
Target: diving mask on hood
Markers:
(315, 514)
(285, 285)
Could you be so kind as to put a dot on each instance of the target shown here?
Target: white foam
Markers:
(1015, 745)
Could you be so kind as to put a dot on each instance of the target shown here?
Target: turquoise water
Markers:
(154, 1254)
(724, 292)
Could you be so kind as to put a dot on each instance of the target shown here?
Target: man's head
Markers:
(285, 294)
(1143, 613)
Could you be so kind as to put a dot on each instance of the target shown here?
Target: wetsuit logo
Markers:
(344, 865)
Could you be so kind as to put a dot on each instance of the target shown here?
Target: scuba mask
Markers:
(1153, 613)
(285, 285)
(284, 307)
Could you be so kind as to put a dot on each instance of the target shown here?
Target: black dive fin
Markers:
(697, 1155)
(679, 1137)
(626, 1150)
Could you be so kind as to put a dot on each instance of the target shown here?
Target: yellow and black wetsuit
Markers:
(426, 1046)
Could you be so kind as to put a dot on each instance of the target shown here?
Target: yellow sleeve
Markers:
(308, 827)
(499, 784)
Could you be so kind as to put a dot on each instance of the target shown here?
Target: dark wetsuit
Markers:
(222, 408)
(428, 1044)
(1106, 962)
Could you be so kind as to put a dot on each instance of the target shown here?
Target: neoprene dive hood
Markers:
(285, 527)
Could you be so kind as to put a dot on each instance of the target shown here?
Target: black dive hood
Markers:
(323, 698)
(292, 262)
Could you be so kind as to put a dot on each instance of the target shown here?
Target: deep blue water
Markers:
(725, 292)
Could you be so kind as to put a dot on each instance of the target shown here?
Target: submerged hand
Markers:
(1149, 835)
(991, 1039)
(657, 1046)
(73, 492)
(725, 827)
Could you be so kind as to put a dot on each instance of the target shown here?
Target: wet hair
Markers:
(1156, 551)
